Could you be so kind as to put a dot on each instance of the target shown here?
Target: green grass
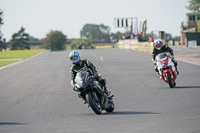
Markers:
(4, 63)
(19, 54)
(16, 55)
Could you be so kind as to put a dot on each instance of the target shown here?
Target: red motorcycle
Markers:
(166, 68)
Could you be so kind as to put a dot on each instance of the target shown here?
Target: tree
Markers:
(55, 40)
(96, 33)
(176, 38)
(198, 28)
(115, 36)
(194, 5)
(20, 40)
(2, 40)
(168, 36)
(34, 41)
(1, 17)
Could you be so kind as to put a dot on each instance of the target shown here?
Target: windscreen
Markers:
(161, 56)
(81, 75)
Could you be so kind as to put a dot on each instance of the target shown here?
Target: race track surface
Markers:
(36, 96)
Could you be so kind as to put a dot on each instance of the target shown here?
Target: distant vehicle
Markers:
(80, 46)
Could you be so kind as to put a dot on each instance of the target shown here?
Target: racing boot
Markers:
(177, 71)
(156, 69)
(175, 64)
(108, 93)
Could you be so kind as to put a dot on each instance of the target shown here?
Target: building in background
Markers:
(189, 32)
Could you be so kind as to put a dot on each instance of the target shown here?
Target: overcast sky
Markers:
(38, 17)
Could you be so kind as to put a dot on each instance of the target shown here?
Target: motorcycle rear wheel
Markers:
(112, 106)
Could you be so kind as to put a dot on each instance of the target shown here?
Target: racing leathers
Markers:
(86, 65)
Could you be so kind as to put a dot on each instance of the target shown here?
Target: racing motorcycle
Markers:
(92, 92)
(166, 68)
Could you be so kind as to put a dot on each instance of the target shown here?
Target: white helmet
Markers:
(158, 44)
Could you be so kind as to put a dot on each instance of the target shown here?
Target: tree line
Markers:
(2, 40)
(56, 40)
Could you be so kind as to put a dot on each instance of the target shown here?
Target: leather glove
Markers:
(94, 76)
(74, 88)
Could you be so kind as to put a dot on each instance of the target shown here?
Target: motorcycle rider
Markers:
(80, 65)
(160, 48)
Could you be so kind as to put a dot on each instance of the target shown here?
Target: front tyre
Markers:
(95, 105)
(169, 79)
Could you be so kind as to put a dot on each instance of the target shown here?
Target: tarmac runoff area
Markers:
(186, 54)
(192, 59)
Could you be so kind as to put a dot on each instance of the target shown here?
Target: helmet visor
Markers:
(158, 45)
(73, 58)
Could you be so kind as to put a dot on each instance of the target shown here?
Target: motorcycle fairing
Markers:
(163, 62)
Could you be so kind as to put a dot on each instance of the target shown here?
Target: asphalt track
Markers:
(36, 96)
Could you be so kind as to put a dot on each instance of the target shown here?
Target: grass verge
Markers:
(145, 48)
(106, 46)
(19, 54)
(4, 63)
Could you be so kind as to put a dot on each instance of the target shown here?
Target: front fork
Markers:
(173, 75)
(83, 96)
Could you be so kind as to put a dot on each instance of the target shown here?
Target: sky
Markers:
(39, 17)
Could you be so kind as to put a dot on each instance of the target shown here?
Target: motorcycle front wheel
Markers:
(95, 104)
(169, 79)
